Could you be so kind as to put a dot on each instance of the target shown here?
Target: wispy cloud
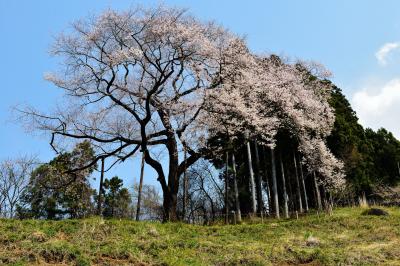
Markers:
(384, 51)
(379, 107)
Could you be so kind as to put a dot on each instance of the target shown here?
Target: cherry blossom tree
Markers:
(266, 95)
(300, 100)
(138, 79)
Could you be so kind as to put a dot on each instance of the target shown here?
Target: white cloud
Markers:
(384, 51)
(381, 109)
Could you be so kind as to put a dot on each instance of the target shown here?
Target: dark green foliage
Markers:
(55, 191)
(386, 155)
(371, 158)
(117, 199)
(347, 141)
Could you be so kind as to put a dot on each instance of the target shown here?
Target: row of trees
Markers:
(23, 196)
(183, 92)
(372, 159)
(371, 163)
(45, 191)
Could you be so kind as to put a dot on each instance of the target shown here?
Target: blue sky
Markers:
(345, 36)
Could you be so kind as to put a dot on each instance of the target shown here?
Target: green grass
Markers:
(345, 238)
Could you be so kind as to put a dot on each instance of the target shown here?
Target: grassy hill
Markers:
(346, 237)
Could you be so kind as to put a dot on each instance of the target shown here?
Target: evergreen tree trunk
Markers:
(324, 198)
(260, 202)
(268, 188)
(291, 201)
(317, 192)
(274, 183)
(297, 184)
(398, 167)
(285, 195)
(267, 183)
(226, 189)
(139, 201)
(100, 198)
(304, 186)
(235, 187)
(252, 183)
(365, 199)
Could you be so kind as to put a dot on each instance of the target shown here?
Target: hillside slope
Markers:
(347, 237)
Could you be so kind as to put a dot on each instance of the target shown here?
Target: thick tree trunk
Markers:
(304, 186)
(274, 183)
(226, 188)
(185, 187)
(252, 183)
(170, 189)
(297, 184)
(171, 194)
(317, 192)
(285, 195)
(139, 201)
(235, 187)
(169, 204)
(260, 202)
(100, 197)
